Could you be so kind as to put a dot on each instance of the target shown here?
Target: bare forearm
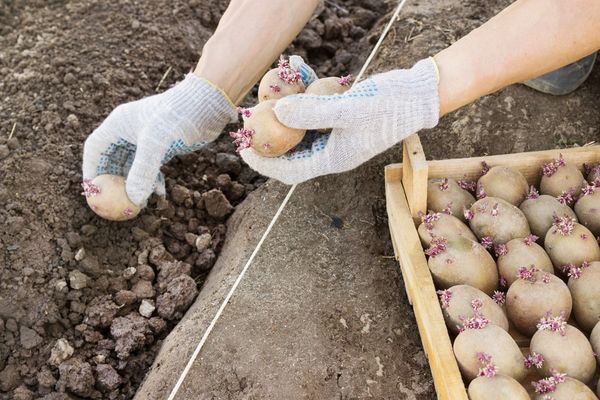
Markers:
(527, 39)
(250, 36)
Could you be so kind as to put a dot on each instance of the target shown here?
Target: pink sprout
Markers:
(564, 225)
(499, 297)
(588, 189)
(501, 249)
(484, 168)
(445, 297)
(436, 246)
(90, 189)
(583, 236)
(487, 368)
(527, 274)
(549, 385)
(550, 168)
(546, 277)
(267, 146)
(554, 324)
(487, 242)
(448, 209)
(429, 218)
(345, 80)
(477, 321)
(443, 184)
(242, 138)
(244, 111)
(495, 210)
(529, 240)
(476, 304)
(468, 213)
(286, 73)
(503, 282)
(566, 197)
(574, 271)
(534, 360)
(127, 212)
(481, 191)
(275, 88)
(463, 184)
(533, 193)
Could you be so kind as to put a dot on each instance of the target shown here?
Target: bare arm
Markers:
(250, 36)
(527, 39)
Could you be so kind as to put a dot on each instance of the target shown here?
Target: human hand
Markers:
(138, 137)
(366, 120)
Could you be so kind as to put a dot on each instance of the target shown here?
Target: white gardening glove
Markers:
(371, 117)
(138, 137)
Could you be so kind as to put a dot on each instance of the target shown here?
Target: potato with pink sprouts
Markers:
(498, 387)
(540, 211)
(533, 295)
(587, 207)
(584, 284)
(460, 261)
(563, 348)
(450, 196)
(519, 252)
(280, 82)
(561, 387)
(329, 86)
(456, 304)
(497, 220)
(264, 133)
(562, 180)
(504, 183)
(569, 243)
(106, 196)
(440, 224)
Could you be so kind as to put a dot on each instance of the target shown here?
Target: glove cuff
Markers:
(425, 78)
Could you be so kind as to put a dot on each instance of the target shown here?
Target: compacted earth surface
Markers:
(84, 303)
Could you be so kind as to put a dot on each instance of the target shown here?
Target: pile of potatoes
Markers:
(506, 256)
(262, 130)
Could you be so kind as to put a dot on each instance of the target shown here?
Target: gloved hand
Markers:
(138, 137)
(369, 118)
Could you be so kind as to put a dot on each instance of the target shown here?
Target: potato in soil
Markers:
(568, 242)
(540, 210)
(532, 296)
(461, 261)
(567, 351)
(328, 86)
(584, 285)
(587, 208)
(505, 183)
(272, 87)
(570, 389)
(456, 303)
(106, 196)
(440, 224)
(447, 194)
(559, 178)
(520, 252)
(269, 137)
(494, 341)
(499, 387)
(497, 220)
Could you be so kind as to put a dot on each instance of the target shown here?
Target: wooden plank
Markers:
(414, 175)
(419, 284)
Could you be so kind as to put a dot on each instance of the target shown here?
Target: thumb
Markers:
(312, 112)
(144, 171)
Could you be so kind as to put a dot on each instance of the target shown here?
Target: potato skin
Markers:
(442, 192)
(594, 174)
(595, 340)
(527, 302)
(571, 354)
(447, 226)
(539, 213)
(326, 87)
(285, 89)
(494, 341)
(464, 262)
(579, 246)
(570, 389)
(500, 387)
(498, 219)
(504, 183)
(271, 138)
(587, 209)
(566, 178)
(460, 305)
(520, 254)
(112, 202)
(585, 291)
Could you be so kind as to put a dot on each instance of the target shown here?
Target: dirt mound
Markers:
(84, 303)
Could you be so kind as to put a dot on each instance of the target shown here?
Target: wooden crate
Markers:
(406, 195)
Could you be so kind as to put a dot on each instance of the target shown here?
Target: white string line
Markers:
(268, 230)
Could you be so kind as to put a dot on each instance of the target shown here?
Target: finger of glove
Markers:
(307, 73)
(145, 170)
(96, 149)
(313, 112)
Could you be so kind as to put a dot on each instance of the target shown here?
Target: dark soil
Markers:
(85, 303)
